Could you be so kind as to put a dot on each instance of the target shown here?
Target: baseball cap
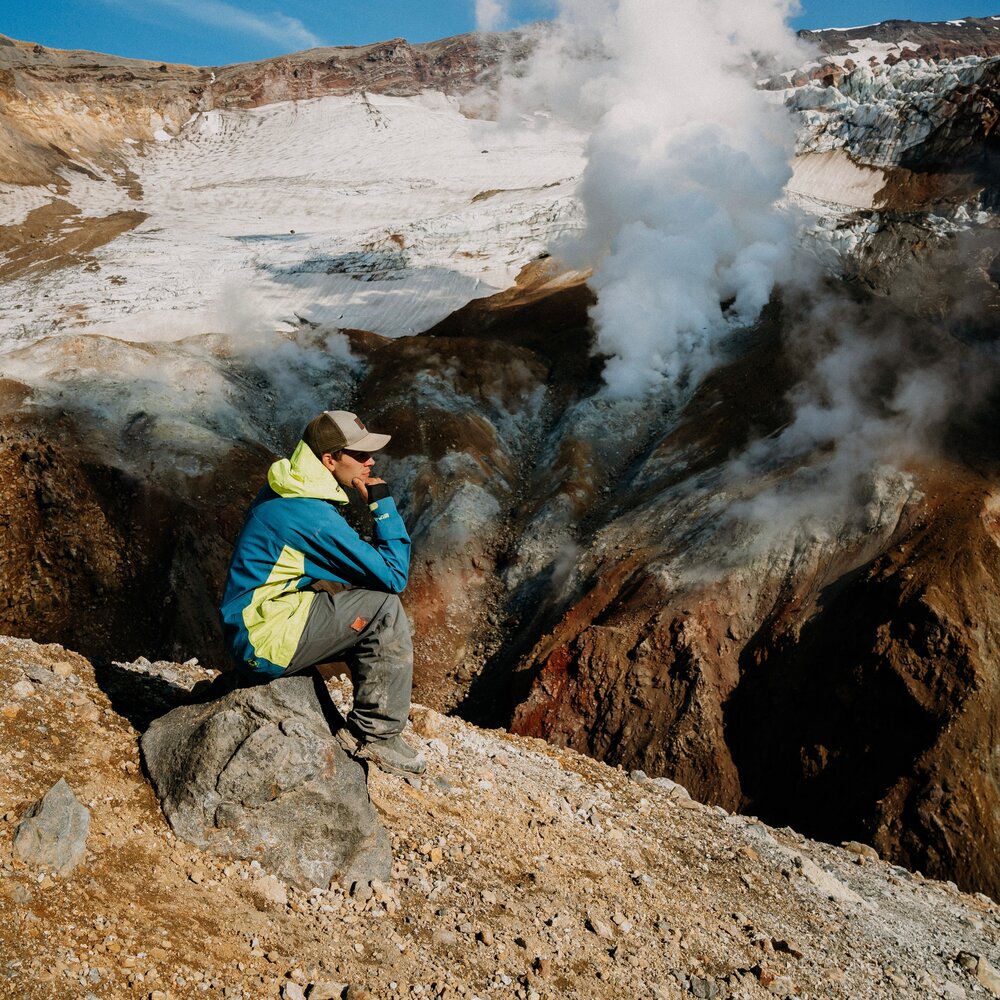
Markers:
(334, 430)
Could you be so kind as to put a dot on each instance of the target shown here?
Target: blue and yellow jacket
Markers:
(294, 536)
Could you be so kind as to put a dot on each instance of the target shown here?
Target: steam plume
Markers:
(490, 14)
(686, 164)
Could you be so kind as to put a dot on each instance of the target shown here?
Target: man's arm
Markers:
(337, 550)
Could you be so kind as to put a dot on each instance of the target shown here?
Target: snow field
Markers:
(265, 225)
(271, 203)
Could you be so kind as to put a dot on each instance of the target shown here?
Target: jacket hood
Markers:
(304, 475)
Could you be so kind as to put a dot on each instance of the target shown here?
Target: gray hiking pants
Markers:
(369, 631)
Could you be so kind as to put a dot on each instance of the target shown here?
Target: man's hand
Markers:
(361, 485)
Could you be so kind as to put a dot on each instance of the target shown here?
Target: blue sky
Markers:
(215, 32)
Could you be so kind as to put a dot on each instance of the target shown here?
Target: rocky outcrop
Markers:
(954, 39)
(95, 553)
(105, 102)
(257, 774)
(824, 677)
(452, 65)
(860, 702)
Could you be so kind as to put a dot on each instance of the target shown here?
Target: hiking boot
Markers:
(394, 755)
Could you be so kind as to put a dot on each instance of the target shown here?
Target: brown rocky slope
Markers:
(102, 102)
(521, 870)
(844, 685)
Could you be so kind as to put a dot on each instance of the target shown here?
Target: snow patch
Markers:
(865, 49)
(18, 201)
(834, 177)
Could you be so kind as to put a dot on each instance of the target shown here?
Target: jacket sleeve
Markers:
(337, 551)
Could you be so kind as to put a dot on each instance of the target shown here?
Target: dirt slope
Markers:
(521, 870)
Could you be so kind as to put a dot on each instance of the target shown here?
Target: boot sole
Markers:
(353, 746)
(392, 768)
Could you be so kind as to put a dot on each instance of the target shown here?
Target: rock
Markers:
(445, 938)
(861, 850)
(987, 975)
(256, 774)
(782, 986)
(759, 832)
(39, 674)
(788, 947)
(21, 690)
(426, 722)
(704, 988)
(362, 891)
(674, 790)
(599, 927)
(54, 830)
(20, 893)
(326, 990)
(270, 890)
(827, 883)
(293, 991)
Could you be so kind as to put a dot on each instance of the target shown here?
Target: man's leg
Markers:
(381, 664)
(370, 631)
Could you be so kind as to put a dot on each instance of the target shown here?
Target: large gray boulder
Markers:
(53, 831)
(257, 774)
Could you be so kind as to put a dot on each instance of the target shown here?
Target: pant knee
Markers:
(394, 629)
(394, 614)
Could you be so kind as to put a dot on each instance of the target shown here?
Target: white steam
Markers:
(490, 14)
(168, 406)
(686, 165)
(879, 393)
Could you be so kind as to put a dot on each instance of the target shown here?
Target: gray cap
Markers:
(334, 430)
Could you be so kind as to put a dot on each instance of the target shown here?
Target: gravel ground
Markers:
(521, 870)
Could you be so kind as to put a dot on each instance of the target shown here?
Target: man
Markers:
(285, 608)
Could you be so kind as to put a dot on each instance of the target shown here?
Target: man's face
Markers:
(346, 465)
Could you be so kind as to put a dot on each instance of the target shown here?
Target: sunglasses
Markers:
(358, 456)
